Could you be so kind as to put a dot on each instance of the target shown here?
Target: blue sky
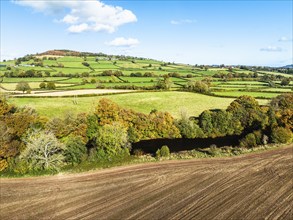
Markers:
(194, 32)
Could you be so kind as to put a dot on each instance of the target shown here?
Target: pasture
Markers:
(173, 102)
(69, 73)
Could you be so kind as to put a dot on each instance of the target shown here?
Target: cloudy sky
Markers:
(194, 32)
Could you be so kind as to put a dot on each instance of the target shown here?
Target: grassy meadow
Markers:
(70, 73)
(173, 102)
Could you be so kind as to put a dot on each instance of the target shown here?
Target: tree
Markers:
(47, 73)
(166, 83)
(14, 122)
(281, 135)
(43, 151)
(247, 111)
(23, 86)
(188, 128)
(248, 141)
(86, 64)
(198, 86)
(282, 109)
(76, 150)
(205, 122)
(285, 82)
(51, 85)
(42, 85)
(112, 139)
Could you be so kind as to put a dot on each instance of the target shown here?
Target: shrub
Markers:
(214, 151)
(248, 141)
(281, 135)
(165, 151)
(158, 153)
(138, 152)
(42, 85)
(75, 151)
(51, 85)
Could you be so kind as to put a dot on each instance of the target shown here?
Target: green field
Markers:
(71, 77)
(253, 94)
(173, 102)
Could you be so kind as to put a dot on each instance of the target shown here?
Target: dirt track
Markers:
(254, 186)
(75, 92)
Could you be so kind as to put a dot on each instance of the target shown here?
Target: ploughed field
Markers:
(252, 186)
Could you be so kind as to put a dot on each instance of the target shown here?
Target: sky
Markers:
(191, 32)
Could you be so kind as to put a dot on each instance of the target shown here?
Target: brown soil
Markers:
(253, 186)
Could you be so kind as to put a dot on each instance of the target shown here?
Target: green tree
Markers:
(187, 127)
(112, 139)
(205, 122)
(23, 86)
(51, 85)
(285, 81)
(165, 151)
(75, 151)
(43, 151)
(281, 135)
(247, 111)
(42, 85)
(198, 86)
(165, 84)
(248, 141)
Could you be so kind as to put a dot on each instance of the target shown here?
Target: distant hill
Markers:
(288, 66)
(68, 53)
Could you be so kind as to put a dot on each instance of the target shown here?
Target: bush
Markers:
(249, 141)
(75, 151)
(214, 151)
(138, 152)
(281, 135)
(42, 85)
(158, 153)
(163, 152)
(51, 85)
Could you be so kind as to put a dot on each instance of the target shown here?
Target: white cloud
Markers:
(69, 19)
(123, 42)
(183, 21)
(84, 15)
(285, 39)
(271, 49)
(78, 28)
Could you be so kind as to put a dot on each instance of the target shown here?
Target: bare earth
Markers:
(253, 186)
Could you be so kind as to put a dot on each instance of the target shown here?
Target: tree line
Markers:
(29, 141)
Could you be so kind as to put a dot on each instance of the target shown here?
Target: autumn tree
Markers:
(14, 122)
